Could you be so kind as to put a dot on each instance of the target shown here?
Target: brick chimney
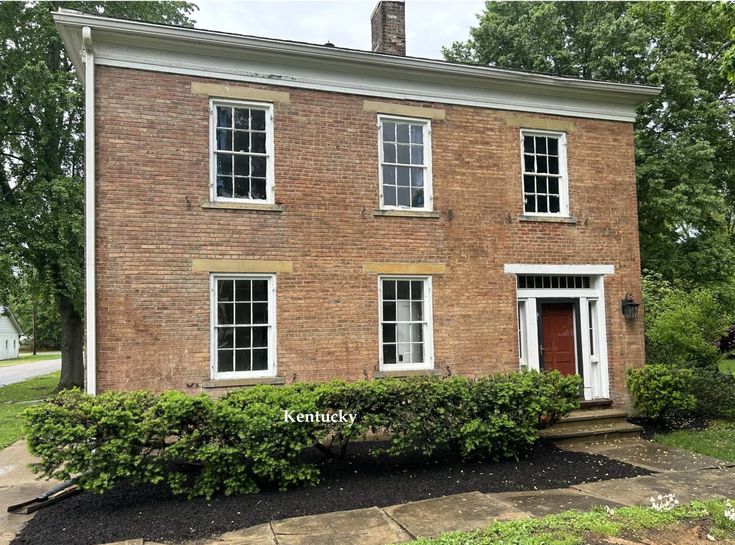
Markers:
(388, 25)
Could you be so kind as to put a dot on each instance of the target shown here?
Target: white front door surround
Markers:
(557, 282)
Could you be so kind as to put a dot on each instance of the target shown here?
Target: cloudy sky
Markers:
(430, 24)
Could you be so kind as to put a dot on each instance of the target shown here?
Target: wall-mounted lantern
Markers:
(629, 307)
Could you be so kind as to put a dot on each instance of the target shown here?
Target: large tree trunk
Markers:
(72, 337)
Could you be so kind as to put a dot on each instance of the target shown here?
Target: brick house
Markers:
(266, 211)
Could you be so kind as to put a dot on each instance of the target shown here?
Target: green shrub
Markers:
(661, 392)
(505, 411)
(494, 417)
(242, 442)
(714, 392)
(424, 414)
(102, 438)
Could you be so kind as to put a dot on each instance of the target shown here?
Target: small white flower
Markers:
(729, 511)
(609, 510)
(664, 503)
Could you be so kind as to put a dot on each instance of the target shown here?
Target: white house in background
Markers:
(10, 333)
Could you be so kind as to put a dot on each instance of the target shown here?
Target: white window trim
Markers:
(428, 189)
(269, 149)
(563, 171)
(428, 333)
(272, 333)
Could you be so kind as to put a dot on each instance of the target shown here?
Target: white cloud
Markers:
(429, 24)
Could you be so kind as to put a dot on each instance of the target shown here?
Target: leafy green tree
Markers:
(685, 148)
(684, 325)
(34, 305)
(42, 154)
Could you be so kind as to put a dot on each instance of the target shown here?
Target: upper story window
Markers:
(241, 151)
(405, 163)
(243, 325)
(544, 165)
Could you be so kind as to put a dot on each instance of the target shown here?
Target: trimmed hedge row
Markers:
(236, 445)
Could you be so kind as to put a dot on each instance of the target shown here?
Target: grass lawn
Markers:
(29, 358)
(727, 366)
(14, 398)
(573, 528)
(717, 441)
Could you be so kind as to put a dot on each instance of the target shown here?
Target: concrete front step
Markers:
(575, 430)
(593, 414)
(596, 403)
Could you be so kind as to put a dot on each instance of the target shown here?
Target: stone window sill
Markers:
(571, 220)
(234, 382)
(435, 214)
(404, 373)
(243, 206)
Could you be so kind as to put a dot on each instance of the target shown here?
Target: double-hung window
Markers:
(406, 340)
(545, 191)
(405, 163)
(243, 325)
(241, 152)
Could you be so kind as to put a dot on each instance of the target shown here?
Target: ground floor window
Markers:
(243, 325)
(406, 339)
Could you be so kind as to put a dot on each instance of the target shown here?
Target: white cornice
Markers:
(244, 58)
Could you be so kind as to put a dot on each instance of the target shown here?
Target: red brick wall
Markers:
(153, 311)
(388, 28)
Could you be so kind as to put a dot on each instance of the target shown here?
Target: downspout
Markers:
(89, 214)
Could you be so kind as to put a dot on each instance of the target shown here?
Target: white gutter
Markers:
(89, 213)
(351, 60)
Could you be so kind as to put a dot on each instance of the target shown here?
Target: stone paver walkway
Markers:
(17, 484)
(646, 454)
(689, 476)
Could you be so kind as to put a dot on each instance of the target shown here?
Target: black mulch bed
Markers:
(151, 512)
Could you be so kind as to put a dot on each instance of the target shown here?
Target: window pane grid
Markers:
(403, 165)
(541, 174)
(243, 325)
(241, 157)
(403, 322)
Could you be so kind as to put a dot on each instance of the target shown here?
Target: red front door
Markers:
(558, 346)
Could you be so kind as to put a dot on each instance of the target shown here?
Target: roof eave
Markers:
(66, 20)
(6, 311)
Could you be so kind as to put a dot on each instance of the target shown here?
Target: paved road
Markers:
(24, 371)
